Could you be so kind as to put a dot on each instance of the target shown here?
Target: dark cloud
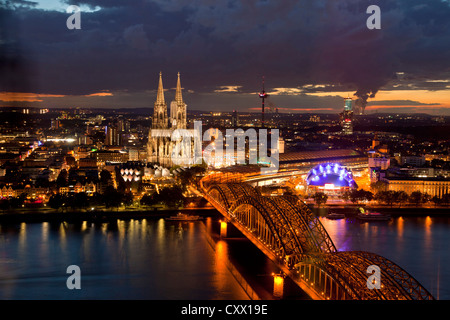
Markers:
(125, 44)
(400, 103)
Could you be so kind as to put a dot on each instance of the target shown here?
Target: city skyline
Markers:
(312, 55)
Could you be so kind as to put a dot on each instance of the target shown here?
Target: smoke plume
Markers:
(361, 101)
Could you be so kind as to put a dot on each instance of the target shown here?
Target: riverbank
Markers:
(95, 216)
(105, 215)
(396, 212)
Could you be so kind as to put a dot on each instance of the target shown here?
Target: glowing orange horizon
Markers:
(26, 96)
(38, 97)
(437, 106)
(299, 109)
(439, 99)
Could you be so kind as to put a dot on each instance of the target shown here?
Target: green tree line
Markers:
(387, 197)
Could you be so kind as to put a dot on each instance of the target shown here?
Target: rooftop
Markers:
(305, 156)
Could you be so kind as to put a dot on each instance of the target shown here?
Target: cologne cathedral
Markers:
(164, 147)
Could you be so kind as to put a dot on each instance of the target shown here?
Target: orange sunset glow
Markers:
(39, 97)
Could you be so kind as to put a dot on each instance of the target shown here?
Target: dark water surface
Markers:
(158, 259)
(132, 259)
(419, 245)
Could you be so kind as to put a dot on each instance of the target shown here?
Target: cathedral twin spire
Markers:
(160, 94)
(178, 95)
(177, 112)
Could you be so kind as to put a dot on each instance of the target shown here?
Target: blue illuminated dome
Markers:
(331, 174)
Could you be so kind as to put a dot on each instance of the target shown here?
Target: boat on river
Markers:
(335, 216)
(372, 216)
(183, 217)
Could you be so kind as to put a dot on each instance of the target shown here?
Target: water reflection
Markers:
(417, 244)
(157, 259)
(120, 259)
(220, 265)
(400, 226)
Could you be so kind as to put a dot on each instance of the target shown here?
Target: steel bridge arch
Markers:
(229, 193)
(349, 271)
(303, 246)
(262, 222)
(314, 232)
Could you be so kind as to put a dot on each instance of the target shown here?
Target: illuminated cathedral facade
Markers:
(163, 147)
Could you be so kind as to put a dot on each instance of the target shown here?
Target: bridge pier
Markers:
(223, 228)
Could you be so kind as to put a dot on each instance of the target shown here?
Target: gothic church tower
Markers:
(160, 147)
(160, 120)
(178, 109)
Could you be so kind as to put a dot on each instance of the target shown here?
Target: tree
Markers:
(191, 175)
(56, 201)
(388, 197)
(320, 198)
(73, 176)
(61, 180)
(378, 186)
(42, 181)
(112, 197)
(81, 200)
(345, 195)
(4, 204)
(360, 195)
(446, 199)
(148, 200)
(171, 196)
(401, 197)
(436, 200)
(96, 199)
(416, 197)
(17, 202)
(426, 197)
(127, 198)
(105, 177)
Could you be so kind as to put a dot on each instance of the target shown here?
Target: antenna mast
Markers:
(263, 95)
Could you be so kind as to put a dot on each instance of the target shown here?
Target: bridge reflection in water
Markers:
(287, 231)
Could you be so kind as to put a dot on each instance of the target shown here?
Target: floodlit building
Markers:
(163, 147)
(330, 178)
(347, 117)
(433, 186)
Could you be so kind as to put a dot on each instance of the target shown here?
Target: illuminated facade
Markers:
(330, 178)
(161, 148)
(347, 117)
(433, 186)
(103, 156)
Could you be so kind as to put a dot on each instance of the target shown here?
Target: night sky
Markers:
(311, 53)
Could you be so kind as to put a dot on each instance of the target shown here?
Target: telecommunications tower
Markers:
(263, 95)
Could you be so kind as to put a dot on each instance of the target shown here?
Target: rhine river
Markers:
(157, 259)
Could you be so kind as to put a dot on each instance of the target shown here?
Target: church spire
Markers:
(160, 94)
(178, 95)
(160, 120)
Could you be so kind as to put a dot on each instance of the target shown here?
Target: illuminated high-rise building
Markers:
(234, 119)
(111, 136)
(347, 117)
